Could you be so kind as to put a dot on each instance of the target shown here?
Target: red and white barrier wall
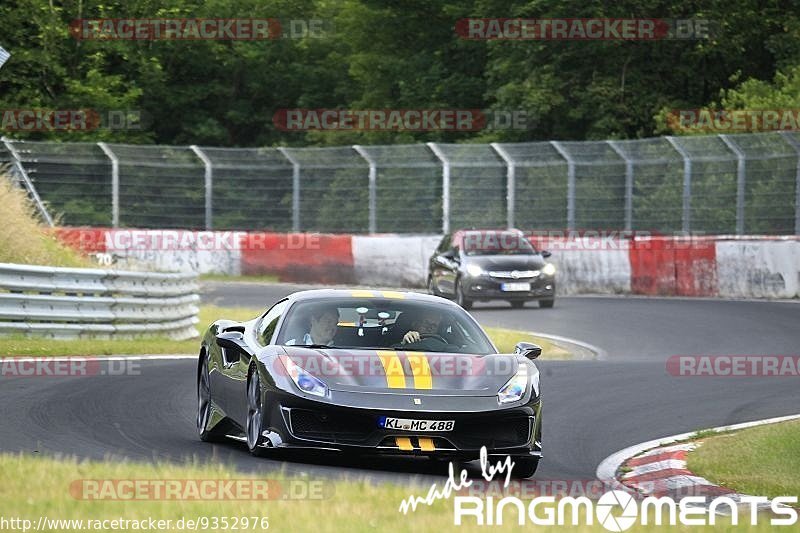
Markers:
(738, 267)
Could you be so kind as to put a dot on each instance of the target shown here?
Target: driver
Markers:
(426, 323)
(322, 327)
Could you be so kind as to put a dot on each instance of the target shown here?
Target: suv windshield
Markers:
(382, 323)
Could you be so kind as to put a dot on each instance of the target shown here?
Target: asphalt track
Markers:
(592, 408)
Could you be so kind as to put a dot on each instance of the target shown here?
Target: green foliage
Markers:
(382, 55)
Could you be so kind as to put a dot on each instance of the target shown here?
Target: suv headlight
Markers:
(515, 388)
(474, 270)
(549, 269)
(304, 381)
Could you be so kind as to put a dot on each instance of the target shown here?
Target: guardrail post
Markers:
(114, 183)
(796, 145)
(445, 186)
(570, 183)
(295, 188)
(740, 181)
(373, 184)
(209, 184)
(628, 184)
(26, 181)
(511, 183)
(686, 217)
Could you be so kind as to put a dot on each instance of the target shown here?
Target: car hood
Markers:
(417, 373)
(507, 262)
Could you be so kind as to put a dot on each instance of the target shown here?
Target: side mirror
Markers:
(231, 340)
(528, 349)
(545, 254)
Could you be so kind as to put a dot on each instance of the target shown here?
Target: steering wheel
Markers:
(422, 338)
(432, 336)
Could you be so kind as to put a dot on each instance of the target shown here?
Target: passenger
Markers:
(322, 328)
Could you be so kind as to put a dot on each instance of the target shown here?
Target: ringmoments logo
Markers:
(615, 510)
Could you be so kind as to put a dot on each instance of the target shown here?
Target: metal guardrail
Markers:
(78, 302)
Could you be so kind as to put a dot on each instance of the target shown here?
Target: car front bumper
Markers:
(489, 288)
(294, 422)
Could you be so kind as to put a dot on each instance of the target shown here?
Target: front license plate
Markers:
(405, 424)
(515, 287)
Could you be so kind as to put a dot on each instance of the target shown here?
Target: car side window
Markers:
(269, 322)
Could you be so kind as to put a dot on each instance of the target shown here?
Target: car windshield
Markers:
(496, 243)
(382, 323)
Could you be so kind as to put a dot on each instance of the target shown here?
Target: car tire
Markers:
(547, 304)
(517, 304)
(255, 414)
(204, 405)
(525, 467)
(462, 300)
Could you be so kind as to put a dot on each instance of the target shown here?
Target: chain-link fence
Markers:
(714, 184)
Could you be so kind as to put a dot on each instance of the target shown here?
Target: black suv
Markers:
(479, 265)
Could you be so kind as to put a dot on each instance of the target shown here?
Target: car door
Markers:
(238, 364)
(447, 263)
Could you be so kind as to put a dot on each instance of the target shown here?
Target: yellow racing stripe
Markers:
(426, 444)
(420, 369)
(362, 294)
(393, 294)
(395, 378)
(404, 443)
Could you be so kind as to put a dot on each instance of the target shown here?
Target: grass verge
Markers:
(23, 239)
(504, 339)
(760, 461)
(35, 487)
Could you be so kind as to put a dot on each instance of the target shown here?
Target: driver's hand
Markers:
(411, 336)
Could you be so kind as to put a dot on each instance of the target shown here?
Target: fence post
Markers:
(511, 183)
(209, 184)
(26, 181)
(114, 183)
(686, 217)
(740, 181)
(295, 188)
(796, 145)
(628, 184)
(373, 183)
(570, 183)
(445, 186)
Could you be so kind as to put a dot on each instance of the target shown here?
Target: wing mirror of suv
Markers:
(528, 349)
(452, 255)
(545, 254)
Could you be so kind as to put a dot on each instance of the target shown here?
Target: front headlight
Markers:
(474, 270)
(304, 381)
(549, 269)
(515, 388)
